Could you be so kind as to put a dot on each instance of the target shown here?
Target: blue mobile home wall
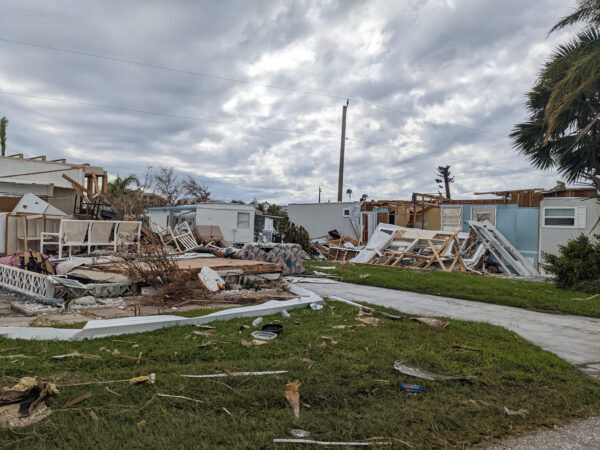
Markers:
(519, 225)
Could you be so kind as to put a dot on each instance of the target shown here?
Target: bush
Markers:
(577, 265)
(292, 234)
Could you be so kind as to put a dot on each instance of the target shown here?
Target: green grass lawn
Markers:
(349, 390)
(538, 296)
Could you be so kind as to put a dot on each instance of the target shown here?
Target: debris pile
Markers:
(337, 247)
(482, 251)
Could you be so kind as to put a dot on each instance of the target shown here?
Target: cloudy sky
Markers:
(246, 96)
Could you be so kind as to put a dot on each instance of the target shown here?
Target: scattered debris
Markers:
(226, 410)
(413, 371)
(211, 280)
(362, 276)
(510, 412)
(413, 388)
(330, 443)
(10, 417)
(285, 314)
(326, 267)
(141, 423)
(236, 374)
(144, 378)
(272, 328)
(264, 335)
(204, 333)
(434, 323)
(297, 433)
(253, 343)
(76, 354)
(136, 380)
(292, 395)
(588, 298)
(94, 416)
(84, 301)
(256, 322)
(368, 320)
(179, 396)
(316, 306)
(79, 399)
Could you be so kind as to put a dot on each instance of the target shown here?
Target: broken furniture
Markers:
(181, 237)
(92, 233)
(210, 235)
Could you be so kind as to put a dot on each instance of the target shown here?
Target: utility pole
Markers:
(342, 149)
(319, 194)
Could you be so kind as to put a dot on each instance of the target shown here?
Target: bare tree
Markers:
(197, 191)
(168, 185)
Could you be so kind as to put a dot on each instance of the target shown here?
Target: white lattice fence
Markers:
(24, 282)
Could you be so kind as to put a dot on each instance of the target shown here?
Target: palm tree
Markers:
(349, 193)
(444, 178)
(120, 185)
(3, 124)
(563, 129)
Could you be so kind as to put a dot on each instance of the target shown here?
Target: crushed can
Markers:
(415, 388)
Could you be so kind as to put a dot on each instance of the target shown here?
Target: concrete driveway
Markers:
(575, 339)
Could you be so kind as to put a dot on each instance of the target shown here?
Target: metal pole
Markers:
(342, 149)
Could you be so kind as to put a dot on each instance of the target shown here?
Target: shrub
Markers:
(292, 234)
(577, 265)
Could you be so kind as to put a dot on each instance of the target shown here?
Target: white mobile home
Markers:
(236, 221)
(319, 218)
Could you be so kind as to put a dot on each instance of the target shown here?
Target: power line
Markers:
(218, 122)
(236, 80)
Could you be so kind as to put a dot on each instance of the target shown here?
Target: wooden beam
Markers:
(42, 157)
(78, 187)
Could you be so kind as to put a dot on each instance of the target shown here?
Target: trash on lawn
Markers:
(412, 371)
(211, 280)
(286, 314)
(136, 380)
(330, 338)
(76, 354)
(253, 343)
(351, 303)
(264, 335)
(510, 412)
(23, 403)
(299, 433)
(434, 323)
(256, 322)
(204, 333)
(10, 417)
(141, 423)
(368, 320)
(236, 374)
(94, 416)
(79, 399)
(388, 316)
(179, 396)
(587, 298)
(316, 306)
(144, 378)
(292, 395)
(330, 443)
(363, 276)
(325, 267)
(415, 388)
(272, 328)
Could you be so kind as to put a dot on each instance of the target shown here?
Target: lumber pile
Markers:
(337, 247)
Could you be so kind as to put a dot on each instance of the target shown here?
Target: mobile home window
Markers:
(243, 220)
(559, 217)
(483, 213)
(346, 212)
(451, 218)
